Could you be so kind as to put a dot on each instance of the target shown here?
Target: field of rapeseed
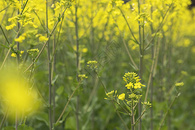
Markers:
(97, 65)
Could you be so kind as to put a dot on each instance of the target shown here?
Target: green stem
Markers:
(49, 69)
(4, 118)
(151, 84)
(129, 26)
(126, 48)
(43, 47)
(159, 27)
(141, 41)
(77, 61)
(67, 104)
(132, 115)
(162, 121)
(5, 7)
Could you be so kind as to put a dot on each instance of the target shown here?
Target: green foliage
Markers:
(88, 46)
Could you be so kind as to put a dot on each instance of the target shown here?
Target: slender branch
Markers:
(5, 7)
(4, 118)
(77, 61)
(159, 27)
(126, 48)
(43, 47)
(141, 41)
(5, 58)
(67, 104)
(151, 84)
(129, 26)
(49, 69)
(154, 62)
(139, 117)
(168, 111)
(132, 115)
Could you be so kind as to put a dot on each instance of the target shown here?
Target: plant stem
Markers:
(151, 84)
(162, 121)
(4, 118)
(141, 44)
(126, 48)
(132, 115)
(16, 121)
(49, 69)
(67, 104)
(77, 61)
(43, 47)
(18, 45)
(53, 60)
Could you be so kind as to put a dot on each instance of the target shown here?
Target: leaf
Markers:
(54, 80)
(42, 116)
(4, 46)
(60, 90)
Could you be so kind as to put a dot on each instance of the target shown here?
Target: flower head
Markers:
(121, 96)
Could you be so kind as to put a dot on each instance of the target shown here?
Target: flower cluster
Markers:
(92, 64)
(82, 77)
(132, 80)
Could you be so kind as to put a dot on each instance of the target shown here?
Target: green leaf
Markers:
(4, 46)
(42, 116)
(54, 80)
(60, 90)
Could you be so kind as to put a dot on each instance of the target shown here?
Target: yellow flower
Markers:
(20, 39)
(109, 94)
(21, 52)
(129, 85)
(16, 93)
(121, 96)
(92, 64)
(119, 3)
(43, 38)
(137, 85)
(84, 50)
(10, 26)
(13, 55)
(179, 84)
(82, 76)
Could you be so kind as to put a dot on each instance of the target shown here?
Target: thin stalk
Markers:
(4, 118)
(126, 48)
(17, 43)
(159, 27)
(113, 101)
(67, 104)
(132, 115)
(129, 26)
(141, 41)
(163, 119)
(153, 67)
(49, 69)
(77, 61)
(122, 120)
(5, 7)
(16, 121)
(43, 47)
(151, 84)
(7, 39)
(53, 60)
(5, 58)
(140, 117)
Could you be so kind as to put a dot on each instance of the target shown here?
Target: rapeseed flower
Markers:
(121, 96)
(16, 93)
